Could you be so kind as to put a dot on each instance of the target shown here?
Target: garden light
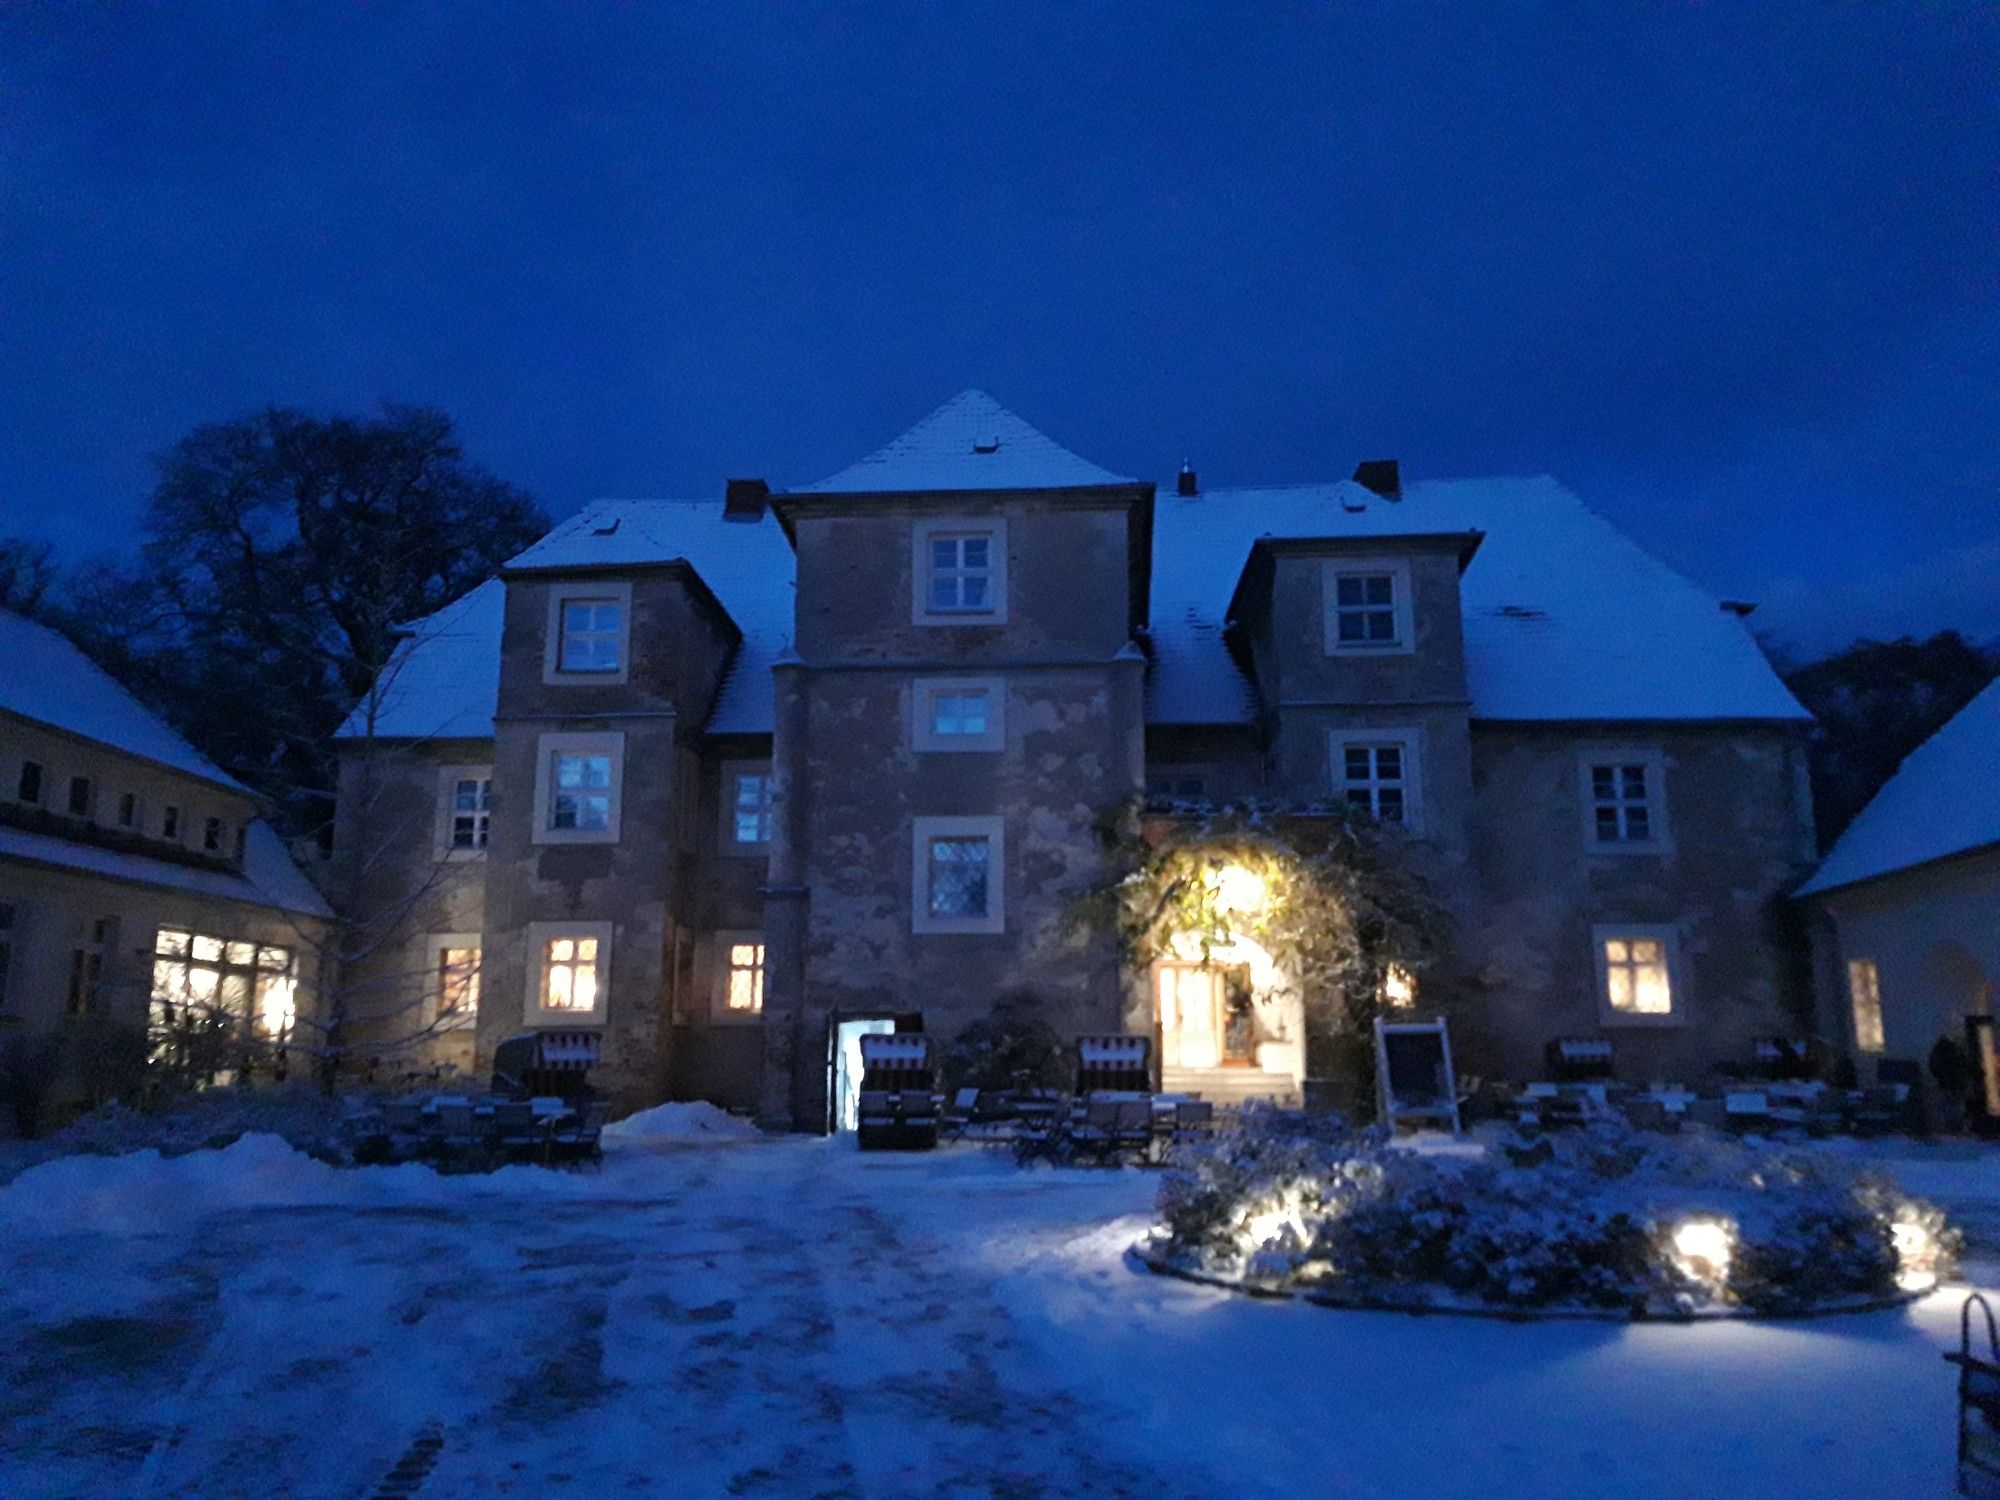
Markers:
(1701, 1248)
(1239, 888)
(1916, 1255)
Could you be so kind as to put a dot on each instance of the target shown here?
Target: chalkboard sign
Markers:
(1413, 1075)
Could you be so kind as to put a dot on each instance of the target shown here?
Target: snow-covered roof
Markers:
(1565, 617)
(269, 878)
(45, 678)
(972, 442)
(1943, 800)
(443, 682)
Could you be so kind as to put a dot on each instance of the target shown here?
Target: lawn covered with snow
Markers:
(722, 1314)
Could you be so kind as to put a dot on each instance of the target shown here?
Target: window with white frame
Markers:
(468, 808)
(741, 973)
(959, 868)
(578, 785)
(457, 978)
(1367, 607)
(1636, 974)
(589, 633)
(1864, 994)
(746, 805)
(960, 570)
(1624, 798)
(959, 713)
(570, 971)
(1377, 774)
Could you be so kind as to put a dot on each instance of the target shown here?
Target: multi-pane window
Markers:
(592, 635)
(1373, 780)
(79, 796)
(457, 982)
(569, 974)
(128, 810)
(211, 835)
(1864, 993)
(1364, 609)
(1176, 786)
(580, 791)
(743, 979)
(8, 914)
(1637, 970)
(1621, 802)
(199, 981)
(961, 573)
(471, 811)
(959, 876)
(961, 713)
(86, 968)
(170, 822)
(29, 788)
(750, 807)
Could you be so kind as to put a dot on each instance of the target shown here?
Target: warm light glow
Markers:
(570, 981)
(1238, 888)
(746, 976)
(278, 1005)
(1636, 976)
(1399, 987)
(1702, 1248)
(1257, 1228)
(1916, 1255)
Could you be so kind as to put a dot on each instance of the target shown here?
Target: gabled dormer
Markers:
(1355, 605)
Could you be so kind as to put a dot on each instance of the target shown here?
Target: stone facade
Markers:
(769, 874)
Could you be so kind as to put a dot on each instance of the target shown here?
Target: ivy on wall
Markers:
(1334, 899)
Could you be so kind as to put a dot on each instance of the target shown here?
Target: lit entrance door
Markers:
(1206, 1016)
(847, 1037)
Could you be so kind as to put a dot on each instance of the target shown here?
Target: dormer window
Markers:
(960, 571)
(1367, 608)
(589, 633)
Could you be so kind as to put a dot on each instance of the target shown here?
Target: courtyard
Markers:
(750, 1316)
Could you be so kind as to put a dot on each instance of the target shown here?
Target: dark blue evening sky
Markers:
(1727, 270)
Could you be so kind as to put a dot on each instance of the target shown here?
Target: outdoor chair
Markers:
(1193, 1120)
(517, 1134)
(1880, 1110)
(1132, 1129)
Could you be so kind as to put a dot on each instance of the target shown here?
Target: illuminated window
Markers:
(743, 977)
(592, 635)
(960, 573)
(1635, 968)
(208, 989)
(570, 974)
(1864, 993)
(458, 982)
(749, 811)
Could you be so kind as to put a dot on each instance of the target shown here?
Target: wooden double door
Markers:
(1205, 1015)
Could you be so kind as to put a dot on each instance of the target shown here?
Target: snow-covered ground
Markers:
(740, 1316)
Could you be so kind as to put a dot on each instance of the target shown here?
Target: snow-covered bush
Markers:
(1606, 1219)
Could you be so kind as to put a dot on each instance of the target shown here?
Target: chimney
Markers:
(1382, 475)
(743, 500)
(1186, 485)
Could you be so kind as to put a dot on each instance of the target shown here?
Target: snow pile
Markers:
(698, 1121)
(1609, 1220)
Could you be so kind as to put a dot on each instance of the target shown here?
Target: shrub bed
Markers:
(1606, 1220)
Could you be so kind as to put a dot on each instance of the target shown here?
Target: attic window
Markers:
(986, 445)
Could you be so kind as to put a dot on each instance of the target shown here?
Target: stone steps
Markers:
(1229, 1086)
